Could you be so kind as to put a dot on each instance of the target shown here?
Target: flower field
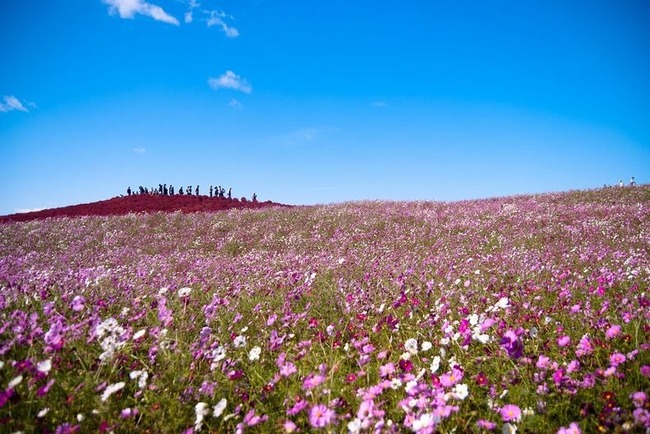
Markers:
(517, 314)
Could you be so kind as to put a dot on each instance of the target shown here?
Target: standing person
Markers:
(171, 190)
(632, 182)
(620, 183)
(210, 190)
(128, 190)
(229, 193)
(196, 192)
(189, 190)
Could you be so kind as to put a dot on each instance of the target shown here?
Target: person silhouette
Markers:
(632, 182)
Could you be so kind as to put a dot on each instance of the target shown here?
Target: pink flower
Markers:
(449, 379)
(386, 370)
(486, 424)
(563, 341)
(638, 398)
(584, 347)
(542, 362)
(510, 413)
(645, 370)
(613, 331)
(616, 359)
(78, 303)
(289, 427)
(572, 429)
(312, 381)
(320, 416)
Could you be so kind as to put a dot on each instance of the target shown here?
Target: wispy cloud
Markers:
(129, 8)
(24, 210)
(216, 18)
(10, 103)
(235, 103)
(230, 80)
(189, 15)
(139, 150)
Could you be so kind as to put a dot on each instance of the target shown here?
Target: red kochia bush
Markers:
(141, 203)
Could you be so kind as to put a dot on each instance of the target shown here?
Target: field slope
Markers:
(526, 313)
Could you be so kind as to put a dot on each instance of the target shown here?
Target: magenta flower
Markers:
(563, 341)
(512, 345)
(645, 370)
(510, 413)
(320, 416)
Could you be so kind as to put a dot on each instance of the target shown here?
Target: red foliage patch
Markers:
(141, 203)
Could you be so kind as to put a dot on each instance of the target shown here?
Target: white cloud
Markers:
(188, 17)
(139, 150)
(12, 103)
(217, 19)
(129, 8)
(24, 210)
(235, 103)
(230, 80)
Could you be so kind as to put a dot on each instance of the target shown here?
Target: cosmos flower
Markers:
(510, 413)
(111, 389)
(320, 416)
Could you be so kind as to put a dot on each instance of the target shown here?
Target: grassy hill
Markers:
(530, 312)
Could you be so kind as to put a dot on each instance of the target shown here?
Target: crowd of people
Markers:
(163, 190)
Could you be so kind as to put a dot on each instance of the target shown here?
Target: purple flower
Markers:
(78, 303)
(512, 345)
(320, 416)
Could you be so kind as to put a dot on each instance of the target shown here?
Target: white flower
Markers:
(426, 346)
(220, 407)
(354, 426)
(460, 391)
(435, 364)
(410, 386)
(15, 382)
(43, 412)
(141, 376)
(44, 366)
(503, 303)
(184, 292)
(139, 334)
(111, 389)
(395, 383)
(163, 291)
(427, 420)
(81, 417)
(201, 409)
(411, 345)
(240, 341)
(509, 428)
(254, 354)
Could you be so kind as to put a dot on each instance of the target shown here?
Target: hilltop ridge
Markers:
(146, 203)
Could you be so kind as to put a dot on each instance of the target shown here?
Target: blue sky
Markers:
(310, 101)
